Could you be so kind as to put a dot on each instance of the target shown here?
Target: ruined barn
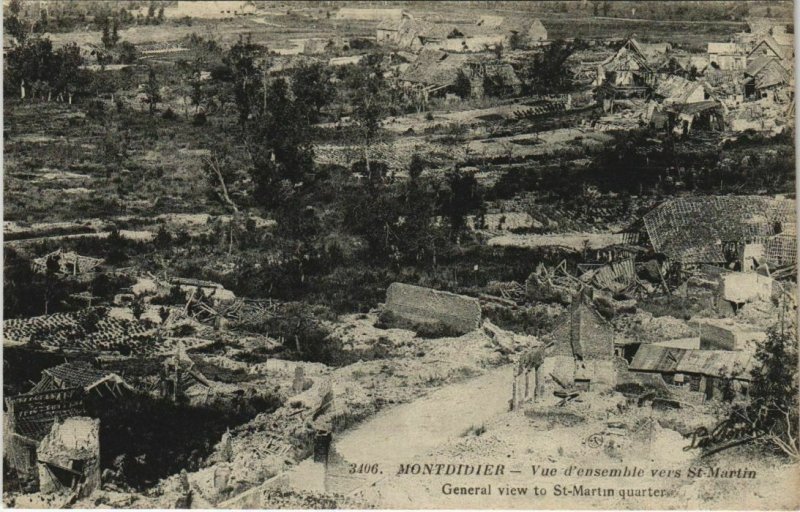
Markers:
(712, 229)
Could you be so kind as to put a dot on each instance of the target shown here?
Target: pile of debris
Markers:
(552, 285)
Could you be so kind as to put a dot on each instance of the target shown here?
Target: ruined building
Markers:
(61, 393)
(581, 352)
(715, 230)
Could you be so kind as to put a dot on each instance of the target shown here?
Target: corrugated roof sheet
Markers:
(654, 358)
(712, 363)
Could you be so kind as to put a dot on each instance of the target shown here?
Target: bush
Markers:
(199, 119)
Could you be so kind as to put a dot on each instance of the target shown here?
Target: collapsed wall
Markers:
(69, 457)
(430, 311)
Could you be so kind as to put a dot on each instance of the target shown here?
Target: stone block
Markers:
(429, 311)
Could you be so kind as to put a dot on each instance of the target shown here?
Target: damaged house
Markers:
(513, 31)
(436, 73)
(626, 75)
(67, 264)
(727, 56)
(765, 78)
(36, 422)
(708, 115)
(580, 353)
(769, 47)
(714, 230)
(69, 457)
(412, 34)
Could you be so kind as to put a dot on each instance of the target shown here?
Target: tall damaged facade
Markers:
(580, 353)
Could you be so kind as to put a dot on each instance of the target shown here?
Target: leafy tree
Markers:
(462, 198)
(370, 103)
(312, 88)
(152, 91)
(29, 63)
(246, 77)
(114, 38)
(106, 37)
(127, 53)
(772, 412)
(462, 86)
(68, 76)
(279, 144)
(13, 24)
(516, 41)
(548, 71)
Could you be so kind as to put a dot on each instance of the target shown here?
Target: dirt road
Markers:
(415, 428)
(394, 436)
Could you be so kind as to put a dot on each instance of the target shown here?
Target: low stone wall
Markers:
(431, 311)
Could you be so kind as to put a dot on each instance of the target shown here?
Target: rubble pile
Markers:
(643, 327)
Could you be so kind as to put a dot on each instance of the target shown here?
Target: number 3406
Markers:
(364, 469)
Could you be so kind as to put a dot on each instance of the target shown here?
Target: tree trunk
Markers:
(366, 162)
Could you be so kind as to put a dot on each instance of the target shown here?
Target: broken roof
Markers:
(68, 262)
(630, 57)
(34, 413)
(435, 67)
(767, 71)
(676, 88)
(772, 44)
(712, 363)
(692, 229)
(78, 374)
(694, 108)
